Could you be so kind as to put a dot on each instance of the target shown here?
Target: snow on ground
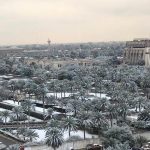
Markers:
(68, 94)
(132, 117)
(80, 133)
(99, 95)
(134, 109)
(21, 79)
(2, 109)
(41, 134)
(146, 134)
(31, 118)
(40, 109)
(58, 95)
(34, 119)
(11, 102)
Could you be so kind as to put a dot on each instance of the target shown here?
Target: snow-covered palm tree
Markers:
(140, 102)
(27, 106)
(49, 113)
(74, 103)
(5, 114)
(111, 112)
(22, 131)
(99, 121)
(70, 124)
(31, 134)
(84, 121)
(53, 123)
(17, 111)
(13, 147)
(120, 146)
(42, 90)
(54, 137)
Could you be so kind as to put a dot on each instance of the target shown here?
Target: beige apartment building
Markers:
(137, 51)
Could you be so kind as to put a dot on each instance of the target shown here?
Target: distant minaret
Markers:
(49, 43)
(51, 51)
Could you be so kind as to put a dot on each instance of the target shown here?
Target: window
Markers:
(59, 65)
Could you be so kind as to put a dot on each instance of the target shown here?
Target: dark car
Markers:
(94, 147)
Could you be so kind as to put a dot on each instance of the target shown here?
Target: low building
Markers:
(59, 63)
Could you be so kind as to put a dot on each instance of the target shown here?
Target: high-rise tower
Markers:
(137, 52)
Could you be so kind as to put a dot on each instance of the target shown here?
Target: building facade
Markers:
(59, 63)
(137, 52)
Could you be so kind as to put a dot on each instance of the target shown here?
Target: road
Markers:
(7, 141)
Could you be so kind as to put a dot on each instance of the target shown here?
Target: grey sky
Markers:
(33, 21)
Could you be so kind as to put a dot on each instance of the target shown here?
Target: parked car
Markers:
(94, 147)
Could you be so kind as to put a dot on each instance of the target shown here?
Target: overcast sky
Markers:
(34, 21)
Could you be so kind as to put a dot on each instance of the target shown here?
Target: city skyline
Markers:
(67, 21)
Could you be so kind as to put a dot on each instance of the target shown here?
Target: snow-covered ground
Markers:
(58, 95)
(16, 104)
(134, 109)
(11, 102)
(146, 134)
(80, 133)
(39, 109)
(68, 94)
(99, 95)
(132, 117)
(2, 109)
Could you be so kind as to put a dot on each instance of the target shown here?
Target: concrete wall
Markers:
(67, 146)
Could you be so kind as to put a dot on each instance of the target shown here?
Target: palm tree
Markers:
(140, 140)
(74, 103)
(140, 101)
(87, 105)
(30, 87)
(53, 123)
(84, 121)
(120, 146)
(22, 131)
(54, 137)
(117, 134)
(65, 83)
(17, 110)
(112, 113)
(27, 106)
(70, 124)
(99, 85)
(99, 104)
(31, 134)
(99, 121)
(71, 86)
(42, 90)
(13, 147)
(12, 86)
(5, 115)
(49, 113)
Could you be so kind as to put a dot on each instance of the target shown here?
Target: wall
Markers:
(67, 146)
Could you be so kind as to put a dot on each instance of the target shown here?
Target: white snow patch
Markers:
(11, 102)
(80, 133)
(132, 117)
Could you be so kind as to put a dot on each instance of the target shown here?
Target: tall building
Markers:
(137, 52)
